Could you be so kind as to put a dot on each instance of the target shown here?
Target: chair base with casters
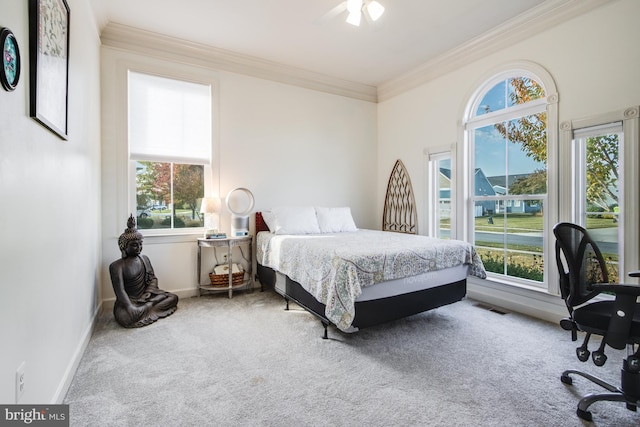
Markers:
(629, 392)
(583, 276)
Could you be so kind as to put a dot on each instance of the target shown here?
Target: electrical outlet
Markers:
(20, 381)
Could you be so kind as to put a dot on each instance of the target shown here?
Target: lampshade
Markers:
(375, 10)
(210, 205)
(354, 18)
(355, 12)
(354, 6)
(355, 9)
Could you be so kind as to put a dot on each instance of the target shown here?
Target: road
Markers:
(606, 238)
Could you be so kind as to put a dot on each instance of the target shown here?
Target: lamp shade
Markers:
(354, 18)
(354, 6)
(210, 205)
(375, 10)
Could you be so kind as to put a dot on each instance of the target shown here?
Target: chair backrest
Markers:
(580, 264)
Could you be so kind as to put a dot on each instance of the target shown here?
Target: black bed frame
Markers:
(372, 312)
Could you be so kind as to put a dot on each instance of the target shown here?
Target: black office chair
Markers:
(583, 275)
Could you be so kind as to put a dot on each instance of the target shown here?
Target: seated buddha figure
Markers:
(139, 301)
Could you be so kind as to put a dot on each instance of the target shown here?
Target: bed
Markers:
(356, 278)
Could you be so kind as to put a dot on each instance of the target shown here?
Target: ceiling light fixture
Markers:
(375, 10)
(354, 7)
(357, 8)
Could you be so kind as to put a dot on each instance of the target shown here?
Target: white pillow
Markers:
(335, 220)
(269, 219)
(295, 220)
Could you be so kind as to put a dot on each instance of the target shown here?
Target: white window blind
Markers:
(600, 130)
(169, 120)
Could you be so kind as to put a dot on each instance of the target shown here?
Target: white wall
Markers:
(594, 60)
(50, 216)
(289, 145)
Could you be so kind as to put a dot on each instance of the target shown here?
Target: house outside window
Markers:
(508, 209)
(169, 134)
(440, 195)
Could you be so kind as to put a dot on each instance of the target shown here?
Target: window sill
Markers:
(165, 238)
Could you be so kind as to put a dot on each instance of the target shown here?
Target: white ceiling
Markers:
(294, 33)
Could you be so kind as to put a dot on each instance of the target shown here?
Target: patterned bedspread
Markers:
(335, 267)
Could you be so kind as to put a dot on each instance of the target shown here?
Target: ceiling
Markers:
(296, 33)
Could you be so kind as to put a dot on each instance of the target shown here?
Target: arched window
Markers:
(511, 150)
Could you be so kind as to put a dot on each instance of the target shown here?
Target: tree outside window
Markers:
(167, 195)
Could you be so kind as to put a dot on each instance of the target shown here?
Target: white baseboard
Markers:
(72, 367)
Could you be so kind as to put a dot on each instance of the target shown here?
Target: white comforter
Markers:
(335, 267)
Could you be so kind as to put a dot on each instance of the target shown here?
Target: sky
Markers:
(491, 150)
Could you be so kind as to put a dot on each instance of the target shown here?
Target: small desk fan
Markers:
(240, 203)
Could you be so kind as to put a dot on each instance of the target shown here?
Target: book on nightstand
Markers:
(217, 236)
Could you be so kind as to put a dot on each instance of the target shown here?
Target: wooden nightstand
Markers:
(235, 250)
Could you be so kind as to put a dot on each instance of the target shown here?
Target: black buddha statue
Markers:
(139, 301)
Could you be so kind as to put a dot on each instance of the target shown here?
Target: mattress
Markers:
(339, 269)
(392, 288)
(431, 279)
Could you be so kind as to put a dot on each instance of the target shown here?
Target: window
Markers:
(510, 154)
(440, 197)
(169, 136)
(598, 186)
(598, 190)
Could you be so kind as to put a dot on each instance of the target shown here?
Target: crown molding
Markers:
(543, 17)
(161, 46)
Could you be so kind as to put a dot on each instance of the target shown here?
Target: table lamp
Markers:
(210, 207)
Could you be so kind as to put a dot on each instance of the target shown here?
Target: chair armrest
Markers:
(634, 273)
(622, 315)
(617, 288)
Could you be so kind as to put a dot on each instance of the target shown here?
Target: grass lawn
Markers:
(525, 260)
(523, 223)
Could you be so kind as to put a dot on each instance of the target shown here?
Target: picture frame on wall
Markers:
(10, 72)
(49, 64)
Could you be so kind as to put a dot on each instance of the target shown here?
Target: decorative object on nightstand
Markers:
(240, 203)
(10, 72)
(219, 277)
(210, 207)
(215, 235)
(233, 269)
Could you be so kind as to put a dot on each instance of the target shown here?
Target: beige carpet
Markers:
(247, 362)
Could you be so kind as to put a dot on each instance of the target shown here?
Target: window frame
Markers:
(432, 159)
(126, 179)
(629, 233)
(465, 162)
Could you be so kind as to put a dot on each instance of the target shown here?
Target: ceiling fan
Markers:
(371, 9)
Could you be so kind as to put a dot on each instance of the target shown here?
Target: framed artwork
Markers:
(49, 63)
(10, 73)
